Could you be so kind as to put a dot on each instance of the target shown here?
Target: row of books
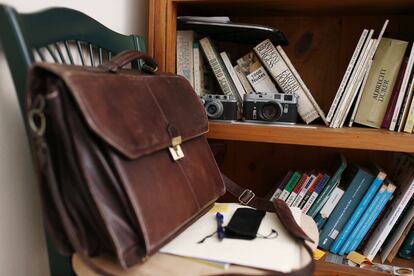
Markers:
(347, 205)
(378, 85)
(266, 68)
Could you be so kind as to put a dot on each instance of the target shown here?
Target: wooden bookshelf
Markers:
(322, 35)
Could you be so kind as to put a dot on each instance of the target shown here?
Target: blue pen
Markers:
(220, 228)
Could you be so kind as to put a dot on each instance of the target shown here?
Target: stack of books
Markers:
(377, 87)
(266, 68)
(356, 208)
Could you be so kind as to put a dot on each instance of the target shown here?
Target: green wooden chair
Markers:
(58, 35)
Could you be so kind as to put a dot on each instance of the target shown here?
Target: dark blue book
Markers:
(407, 248)
(359, 181)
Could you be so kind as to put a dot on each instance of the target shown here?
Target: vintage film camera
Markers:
(270, 108)
(220, 107)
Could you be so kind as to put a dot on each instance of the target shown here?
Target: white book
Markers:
(243, 79)
(276, 194)
(255, 73)
(198, 70)
(284, 77)
(302, 84)
(347, 74)
(233, 75)
(310, 202)
(358, 100)
(403, 89)
(350, 87)
(291, 198)
(184, 57)
(397, 234)
(358, 83)
(406, 191)
(303, 191)
(409, 123)
(331, 203)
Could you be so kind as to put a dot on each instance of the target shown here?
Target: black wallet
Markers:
(244, 224)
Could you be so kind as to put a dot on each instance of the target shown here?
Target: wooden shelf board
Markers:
(357, 138)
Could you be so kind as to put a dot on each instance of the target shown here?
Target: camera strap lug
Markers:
(176, 150)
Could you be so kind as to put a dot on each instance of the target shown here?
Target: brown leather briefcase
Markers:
(122, 159)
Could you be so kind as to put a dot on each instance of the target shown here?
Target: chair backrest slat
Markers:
(52, 54)
(59, 51)
(91, 55)
(80, 51)
(40, 54)
(100, 56)
(68, 52)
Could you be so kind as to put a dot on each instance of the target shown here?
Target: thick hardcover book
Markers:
(310, 180)
(243, 79)
(255, 73)
(275, 193)
(330, 186)
(405, 180)
(359, 181)
(310, 191)
(301, 183)
(409, 123)
(403, 91)
(218, 68)
(407, 248)
(286, 80)
(381, 80)
(184, 57)
(354, 82)
(347, 74)
(315, 193)
(233, 75)
(362, 228)
(393, 100)
(397, 232)
(329, 206)
(380, 176)
(290, 185)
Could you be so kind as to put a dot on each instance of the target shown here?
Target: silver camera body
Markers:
(270, 108)
(220, 107)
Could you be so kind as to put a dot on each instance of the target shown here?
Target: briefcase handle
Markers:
(125, 57)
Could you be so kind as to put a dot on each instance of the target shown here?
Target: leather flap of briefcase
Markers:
(135, 117)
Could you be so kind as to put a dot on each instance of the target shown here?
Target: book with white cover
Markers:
(331, 203)
(255, 73)
(233, 75)
(302, 84)
(405, 180)
(347, 74)
(184, 56)
(356, 90)
(243, 79)
(350, 87)
(198, 70)
(284, 77)
(403, 89)
(304, 190)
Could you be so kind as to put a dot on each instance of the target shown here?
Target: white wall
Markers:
(22, 244)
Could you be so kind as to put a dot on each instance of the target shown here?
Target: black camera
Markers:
(220, 107)
(270, 108)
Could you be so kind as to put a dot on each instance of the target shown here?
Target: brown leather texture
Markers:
(108, 181)
(107, 137)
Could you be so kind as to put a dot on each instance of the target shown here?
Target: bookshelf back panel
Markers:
(320, 46)
(259, 166)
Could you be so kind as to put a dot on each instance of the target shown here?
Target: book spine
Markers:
(280, 72)
(347, 74)
(233, 75)
(406, 106)
(409, 124)
(358, 212)
(244, 81)
(403, 90)
(310, 191)
(368, 219)
(184, 56)
(302, 84)
(329, 206)
(393, 100)
(198, 74)
(280, 187)
(384, 228)
(290, 185)
(359, 185)
(303, 191)
(297, 189)
(315, 193)
(218, 68)
(407, 248)
(330, 186)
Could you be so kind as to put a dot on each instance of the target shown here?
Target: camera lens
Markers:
(214, 109)
(271, 111)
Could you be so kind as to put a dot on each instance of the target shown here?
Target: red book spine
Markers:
(300, 184)
(394, 96)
